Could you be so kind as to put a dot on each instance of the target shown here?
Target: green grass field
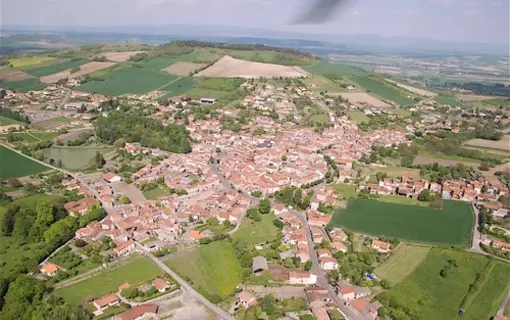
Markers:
(448, 157)
(451, 100)
(29, 61)
(357, 116)
(257, 232)
(383, 90)
(486, 303)
(15, 256)
(345, 190)
(15, 165)
(450, 226)
(139, 271)
(325, 67)
(6, 121)
(34, 199)
(154, 194)
(400, 112)
(432, 296)
(213, 268)
(129, 80)
(158, 63)
(402, 262)
(54, 68)
(402, 200)
(393, 172)
(24, 85)
(179, 87)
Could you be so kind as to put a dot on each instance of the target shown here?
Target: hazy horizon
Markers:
(475, 21)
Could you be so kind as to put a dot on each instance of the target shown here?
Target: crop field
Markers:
(6, 121)
(184, 68)
(363, 99)
(257, 232)
(15, 165)
(503, 144)
(383, 91)
(412, 89)
(444, 160)
(450, 226)
(24, 85)
(73, 157)
(158, 63)
(213, 268)
(429, 295)
(134, 273)
(122, 81)
(233, 68)
(400, 112)
(486, 303)
(29, 61)
(179, 87)
(450, 100)
(324, 68)
(13, 75)
(119, 56)
(402, 262)
(86, 68)
(54, 68)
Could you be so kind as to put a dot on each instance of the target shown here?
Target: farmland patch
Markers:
(84, 69)
(402, 262)
(29, 61)
(24, 85)
(444, 160)
(451, 225)
(119, 56)
(55, 68)
(73, 157)
(184, 68)
(419, 91)
(503, 144)
(16, 165)
(385, 91)
(16, 75)
(122, 81)
(232, 68)
(362, 99)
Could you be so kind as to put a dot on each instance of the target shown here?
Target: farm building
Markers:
(259, 265)
(207, 101)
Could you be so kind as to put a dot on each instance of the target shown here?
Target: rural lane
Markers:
(211, 306)
(322, 280)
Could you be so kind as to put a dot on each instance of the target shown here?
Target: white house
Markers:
(328, 263)
(302, 278)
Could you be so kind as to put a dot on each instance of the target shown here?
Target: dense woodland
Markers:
(134, 127)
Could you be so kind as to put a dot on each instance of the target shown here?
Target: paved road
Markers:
(211, 306)
(477, 235)
(322, 280)
(503, 304)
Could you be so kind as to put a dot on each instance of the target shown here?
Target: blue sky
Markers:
(453, 20)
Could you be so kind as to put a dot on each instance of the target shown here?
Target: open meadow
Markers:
(16, 256)
(444, 160)
(129, 80)
(257, 232)
(73, 158)
(358, 116)
(232, 68)
(402, 262)
(15, 165)
(213, 268)
(428, 295)
(138, 271)
(451, 225)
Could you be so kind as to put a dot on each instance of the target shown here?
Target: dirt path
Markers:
(169, 83)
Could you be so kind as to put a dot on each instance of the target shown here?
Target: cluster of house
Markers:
(270, 98)
(191, 172)
(450, 189)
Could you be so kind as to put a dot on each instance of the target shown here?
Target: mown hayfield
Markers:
(213, 268)
(450, 226)
(15, 165)
(129, 80)
(486, 302)
(428, 295)
(24, 85)
(54, 68)
(257, 232)
(137, 272)
(29, 61)
(402, 262)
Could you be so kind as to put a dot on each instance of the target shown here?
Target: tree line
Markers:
(14, 115)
